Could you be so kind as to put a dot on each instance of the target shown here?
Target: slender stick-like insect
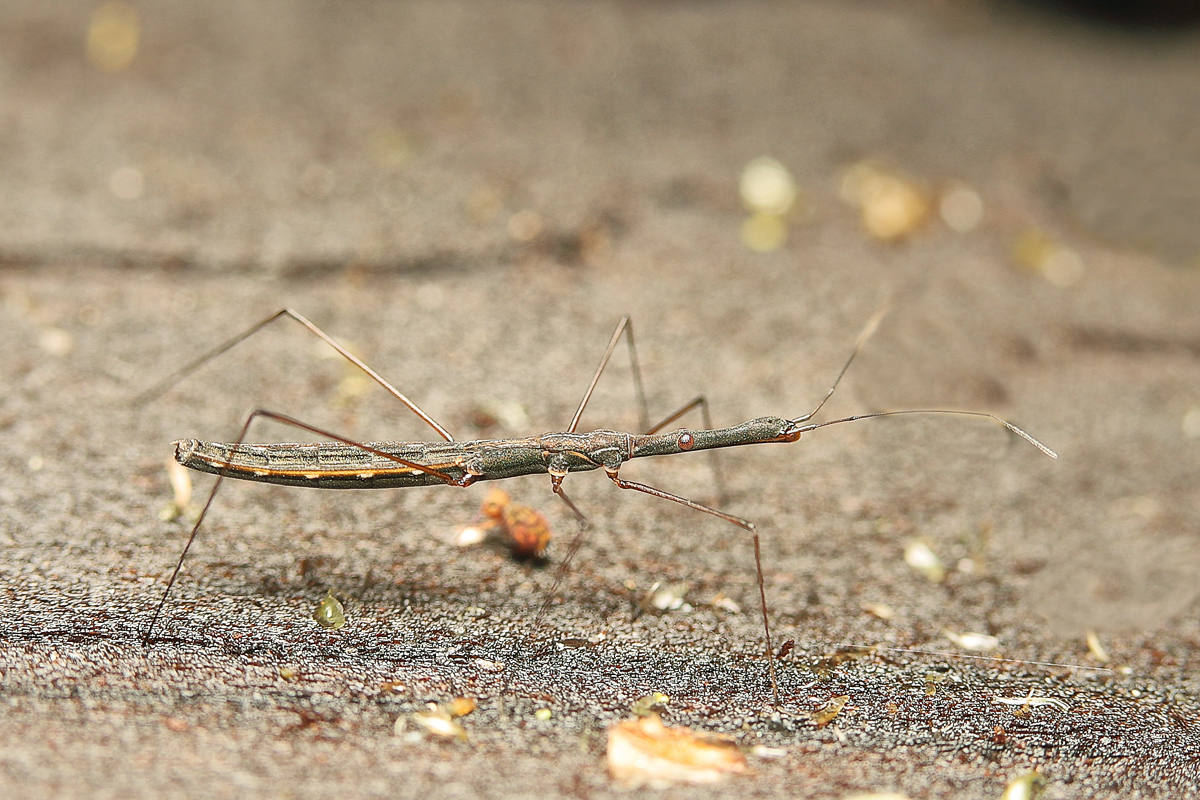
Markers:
(346, 464)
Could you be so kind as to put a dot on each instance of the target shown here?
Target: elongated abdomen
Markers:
(335, 465)
(323, 465)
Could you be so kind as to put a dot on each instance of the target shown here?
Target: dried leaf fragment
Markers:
(669, 597)
(977, 642)
(329, 612)
(175, 724)
(920, 557)
(933, 680)
(494, 504)
(526, 530)
(1025, 787)
(644, 752)
(829, 710)
(1024, 704)
(878, 610)
(825, 665)
(724, 603)
(435, 720)
(1096, 648)
(460, 706)
(650, 704)
(472, 535)
(181, 490)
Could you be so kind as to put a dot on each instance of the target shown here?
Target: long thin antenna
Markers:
(625, 325)
(867, 332)
(1005, 423)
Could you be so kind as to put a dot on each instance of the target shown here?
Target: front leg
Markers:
(650, 490)
(741, 523)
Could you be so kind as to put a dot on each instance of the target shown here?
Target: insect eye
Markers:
(685, 441)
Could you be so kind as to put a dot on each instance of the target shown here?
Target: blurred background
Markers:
(287, 137)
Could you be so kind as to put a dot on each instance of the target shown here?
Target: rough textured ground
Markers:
(363, 162)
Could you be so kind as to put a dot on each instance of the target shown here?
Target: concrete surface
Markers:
(364, 162)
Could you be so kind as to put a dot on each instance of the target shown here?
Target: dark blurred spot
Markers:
(1129, 342)
(1129, 13)
(988, 391)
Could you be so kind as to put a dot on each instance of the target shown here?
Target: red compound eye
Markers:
(685, 441)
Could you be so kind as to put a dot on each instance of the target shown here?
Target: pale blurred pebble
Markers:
(764, 233)
(961, 209)
(525, 226)
(892, 206)
(767, 187)
(112, 37)
(127, 183)
(56, 341)
(1191, 422)
(918, 556)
